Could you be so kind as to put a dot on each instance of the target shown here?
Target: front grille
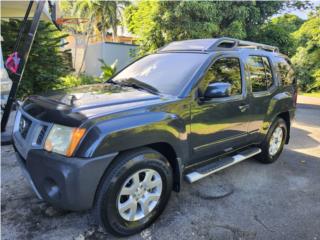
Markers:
(41, 134)
(29, 132)
(24, 126)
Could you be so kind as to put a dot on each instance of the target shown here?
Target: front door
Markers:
(219, 124)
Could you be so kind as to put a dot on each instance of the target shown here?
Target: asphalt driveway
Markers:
(246, 201)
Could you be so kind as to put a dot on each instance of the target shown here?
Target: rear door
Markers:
(263, 88)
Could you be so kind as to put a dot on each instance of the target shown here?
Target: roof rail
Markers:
(231, 43)
(214, 44)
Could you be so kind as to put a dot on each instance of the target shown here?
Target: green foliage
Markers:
(108, 70)
(46, 63)
(159, 22)
(73, 80)
(307, 57)
(140, 21)
(106, 14)
(288, 21)
(278, 32)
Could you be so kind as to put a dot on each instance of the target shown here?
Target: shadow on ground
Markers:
(248, 201)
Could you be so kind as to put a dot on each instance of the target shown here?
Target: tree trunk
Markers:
(86, 46)
(102, 42)
(114, 33)
(75, 50)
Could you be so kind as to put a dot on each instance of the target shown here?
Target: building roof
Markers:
(17, 9)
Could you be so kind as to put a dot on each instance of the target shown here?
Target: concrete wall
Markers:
(109, 52)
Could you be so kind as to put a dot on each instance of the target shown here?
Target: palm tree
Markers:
(111, 15)
(102, 14)
(107, 14)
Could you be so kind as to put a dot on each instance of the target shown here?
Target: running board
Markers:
(221, 164)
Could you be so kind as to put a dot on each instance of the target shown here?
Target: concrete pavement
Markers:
(247, 201)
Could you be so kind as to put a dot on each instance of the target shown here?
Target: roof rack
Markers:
(214, 44)
(231, 43)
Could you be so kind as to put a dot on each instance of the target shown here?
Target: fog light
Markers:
(51, 188)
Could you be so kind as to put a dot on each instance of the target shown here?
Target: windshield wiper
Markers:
(111, 82)
(134, 83)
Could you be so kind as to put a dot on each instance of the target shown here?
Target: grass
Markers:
(314, 94)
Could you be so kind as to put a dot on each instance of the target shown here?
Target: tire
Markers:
(267, 155)
(122, 175)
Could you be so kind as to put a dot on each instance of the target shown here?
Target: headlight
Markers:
(63, 140)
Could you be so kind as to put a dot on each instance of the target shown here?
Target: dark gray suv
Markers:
(193, 108)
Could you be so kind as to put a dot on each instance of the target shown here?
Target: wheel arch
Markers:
(281, 106)
(163, 148)
(169, 152)
(286, 117)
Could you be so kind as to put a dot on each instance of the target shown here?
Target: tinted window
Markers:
(260, 73)
(267, 67)
(286, 72)
(226, 70)
(167, 72)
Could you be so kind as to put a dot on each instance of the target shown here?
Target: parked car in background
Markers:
(193, 108)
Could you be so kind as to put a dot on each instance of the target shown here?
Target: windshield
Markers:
(166, 72)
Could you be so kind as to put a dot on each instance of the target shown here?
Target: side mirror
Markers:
(218, 90)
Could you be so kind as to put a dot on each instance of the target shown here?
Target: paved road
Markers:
(247, 201)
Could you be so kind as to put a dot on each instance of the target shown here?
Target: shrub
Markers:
(46, 63)
(73, 80)
(108, 70)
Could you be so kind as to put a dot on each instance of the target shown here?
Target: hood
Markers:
(73, 106)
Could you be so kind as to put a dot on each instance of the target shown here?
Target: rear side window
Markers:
(226, 70)
(286, 72)
(267, 68)
(260, 73)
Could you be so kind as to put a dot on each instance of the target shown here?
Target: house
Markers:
(121, 50)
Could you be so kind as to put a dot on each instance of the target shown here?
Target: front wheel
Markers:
(274, 142)
(133, 192)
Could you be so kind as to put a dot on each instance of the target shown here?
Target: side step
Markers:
(221, 164)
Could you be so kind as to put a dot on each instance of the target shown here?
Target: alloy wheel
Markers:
(275, 141)
(139, 194)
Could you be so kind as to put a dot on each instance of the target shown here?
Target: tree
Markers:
(107, 14)
(158, 22)
(67, 9)
(278, 32)
(307, 58)
(101, 14)
(110, 15)
(46, 63)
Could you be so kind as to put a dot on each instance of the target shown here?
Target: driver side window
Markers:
(226, 70)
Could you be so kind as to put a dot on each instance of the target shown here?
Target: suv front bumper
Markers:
(67, 183)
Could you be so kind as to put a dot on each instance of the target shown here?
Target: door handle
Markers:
(244, 107)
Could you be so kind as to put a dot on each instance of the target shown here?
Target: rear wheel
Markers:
(274, 142)
(134, 192)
